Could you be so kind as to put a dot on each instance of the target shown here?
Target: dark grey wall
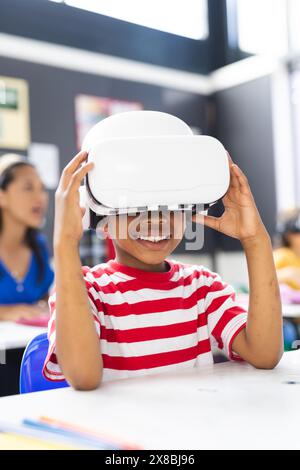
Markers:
(52, 94)
(244, 126)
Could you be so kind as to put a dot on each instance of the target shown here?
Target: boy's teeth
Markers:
(153, 239)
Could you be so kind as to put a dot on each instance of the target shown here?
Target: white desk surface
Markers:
(225, 406)
(13, 335)
(291, 310)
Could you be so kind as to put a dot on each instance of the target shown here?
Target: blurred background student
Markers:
(25, 273)
(287, 262)
(287, 255)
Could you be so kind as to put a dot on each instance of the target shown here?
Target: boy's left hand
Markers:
(241, 218)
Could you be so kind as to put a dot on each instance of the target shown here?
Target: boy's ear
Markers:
(102, 226)
(105, 227)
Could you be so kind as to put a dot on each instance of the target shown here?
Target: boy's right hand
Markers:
(68, 213)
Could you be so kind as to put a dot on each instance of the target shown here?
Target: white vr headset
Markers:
(150, 161)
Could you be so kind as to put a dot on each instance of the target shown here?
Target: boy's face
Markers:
(149, 237)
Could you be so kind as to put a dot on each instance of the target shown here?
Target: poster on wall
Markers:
(91, 109)
(45, 157)
(14, 114)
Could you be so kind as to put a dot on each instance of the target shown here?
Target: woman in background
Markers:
(25, 273)
(287, 257)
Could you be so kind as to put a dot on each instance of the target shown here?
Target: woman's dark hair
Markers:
(31, 234)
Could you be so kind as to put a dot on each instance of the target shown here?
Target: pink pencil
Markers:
(73, 427)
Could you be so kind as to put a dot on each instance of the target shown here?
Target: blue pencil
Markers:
(72, 435)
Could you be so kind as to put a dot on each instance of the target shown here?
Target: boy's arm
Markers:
(261, 342)
(77, 343)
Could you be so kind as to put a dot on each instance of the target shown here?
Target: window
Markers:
(186, 18)
(262, 26)
(294, 21)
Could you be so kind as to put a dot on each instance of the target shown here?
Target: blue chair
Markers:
(31, 377)
(290, 334)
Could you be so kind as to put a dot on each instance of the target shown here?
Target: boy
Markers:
(141, 314)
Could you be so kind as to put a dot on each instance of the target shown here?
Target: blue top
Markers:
(30, 290)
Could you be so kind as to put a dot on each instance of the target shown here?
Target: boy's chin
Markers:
(152, 257)
(148, 253)
(153, 260)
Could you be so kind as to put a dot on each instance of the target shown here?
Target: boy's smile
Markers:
(156, 245)
(148, 238)
(151, 230)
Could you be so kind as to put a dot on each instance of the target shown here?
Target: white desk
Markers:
(13, 335)
(291, 311)
(226, 406)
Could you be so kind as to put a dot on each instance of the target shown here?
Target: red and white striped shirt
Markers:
(150, 322)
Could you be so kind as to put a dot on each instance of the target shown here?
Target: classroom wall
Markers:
(244, 124)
